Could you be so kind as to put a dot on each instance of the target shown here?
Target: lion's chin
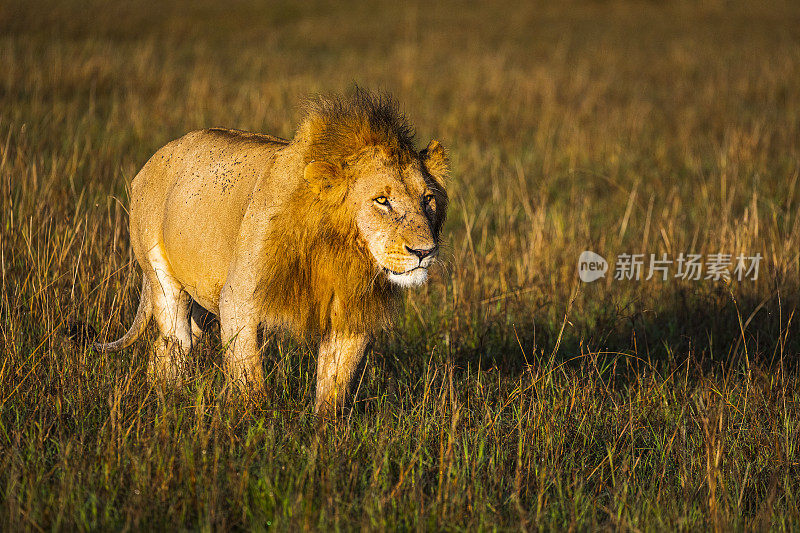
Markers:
(412, 278)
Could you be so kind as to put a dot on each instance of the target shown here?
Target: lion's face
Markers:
(399, 212)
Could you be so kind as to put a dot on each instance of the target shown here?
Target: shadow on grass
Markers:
(701, 329)
(703, 325)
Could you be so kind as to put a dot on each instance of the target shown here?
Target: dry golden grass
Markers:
(510, 394)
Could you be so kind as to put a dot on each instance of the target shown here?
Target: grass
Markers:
(509, 394)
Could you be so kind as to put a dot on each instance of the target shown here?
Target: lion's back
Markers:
(189, 199)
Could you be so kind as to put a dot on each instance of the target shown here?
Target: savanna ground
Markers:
(509, 394)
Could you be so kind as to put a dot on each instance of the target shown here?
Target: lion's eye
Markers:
(382, 200)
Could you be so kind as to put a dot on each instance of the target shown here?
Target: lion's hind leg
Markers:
(172, 311)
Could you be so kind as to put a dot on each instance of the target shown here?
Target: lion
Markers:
(317, 236)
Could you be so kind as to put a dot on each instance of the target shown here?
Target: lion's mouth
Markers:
(410, 278)
(396, 273)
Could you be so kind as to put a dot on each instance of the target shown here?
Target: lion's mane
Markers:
(319, 258)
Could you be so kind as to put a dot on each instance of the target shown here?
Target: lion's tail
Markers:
(143, 315)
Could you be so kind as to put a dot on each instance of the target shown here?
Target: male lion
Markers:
(315, 235)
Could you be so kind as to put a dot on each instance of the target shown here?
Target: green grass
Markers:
(508, 395)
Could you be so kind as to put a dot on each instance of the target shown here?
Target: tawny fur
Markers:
(296, 235)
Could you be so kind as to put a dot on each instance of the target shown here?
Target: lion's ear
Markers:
(323, 180)
(435, 159)
(319, 175)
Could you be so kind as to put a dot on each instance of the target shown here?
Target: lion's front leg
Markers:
(242, 358)
(239, 331)
(339, 354)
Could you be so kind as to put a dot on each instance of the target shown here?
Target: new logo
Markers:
(591, 266)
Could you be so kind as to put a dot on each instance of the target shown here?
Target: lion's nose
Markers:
(421, 253)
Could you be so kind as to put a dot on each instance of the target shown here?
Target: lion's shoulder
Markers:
(245, 136)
